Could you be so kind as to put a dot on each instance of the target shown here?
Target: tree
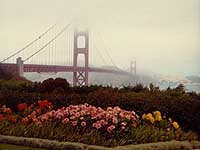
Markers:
(50, 85)
(180, 88)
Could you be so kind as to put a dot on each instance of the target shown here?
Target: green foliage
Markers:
(141, 134)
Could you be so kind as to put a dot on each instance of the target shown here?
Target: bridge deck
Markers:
(56, 68)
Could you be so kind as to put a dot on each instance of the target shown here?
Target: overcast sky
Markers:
(163, 35)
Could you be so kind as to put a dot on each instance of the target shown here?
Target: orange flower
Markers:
(25, 120)
(12, 119)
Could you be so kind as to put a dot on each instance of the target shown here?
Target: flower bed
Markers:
(89, 124)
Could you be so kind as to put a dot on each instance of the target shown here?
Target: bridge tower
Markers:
(20, 67)
(133, 67)
(80, 74)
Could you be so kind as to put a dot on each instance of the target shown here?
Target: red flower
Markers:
(21, 106)
(43, 104)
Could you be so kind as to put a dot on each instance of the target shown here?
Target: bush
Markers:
(50, 84)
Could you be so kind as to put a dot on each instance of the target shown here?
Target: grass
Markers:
(14, 147)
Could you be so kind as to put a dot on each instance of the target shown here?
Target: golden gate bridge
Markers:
(65, 45)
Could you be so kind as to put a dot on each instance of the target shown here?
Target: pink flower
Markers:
(133, 118)
(123, 123)
(59, 115)
(83, 123)
(97, 125)
(74, 123)
(34, 113)
(72, 117)
(77, 114)
(122, 114)
(117, 108)
(66, 113)
(108, 116)
(128, 117)
(65, 121)
(110, 128)
(35, 120)
(44, 118)
(103, 122)
(134, 125)
(82, 112)
(115, 120)
(109, 109)
(123, 127)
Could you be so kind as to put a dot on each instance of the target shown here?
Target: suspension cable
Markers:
(57, 35)
(98, 51)
(29, 44)
(106, 49)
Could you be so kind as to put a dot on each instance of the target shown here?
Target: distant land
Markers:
(191, 83)
(194, 79)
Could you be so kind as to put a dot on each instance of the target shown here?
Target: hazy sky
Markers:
(163, 35)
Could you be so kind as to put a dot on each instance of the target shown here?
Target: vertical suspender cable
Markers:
(29, 44)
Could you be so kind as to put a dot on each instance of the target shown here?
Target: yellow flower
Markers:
(157, 116)
(175, 125)
(144, 116)
(149, 115)
(150, 118)
(156, 113)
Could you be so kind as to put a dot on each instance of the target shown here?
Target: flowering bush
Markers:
(6, 114)
(109, 120)
(156, 118)
(30, 113)
(89, 124)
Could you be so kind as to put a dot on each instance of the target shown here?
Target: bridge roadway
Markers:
(57, 68)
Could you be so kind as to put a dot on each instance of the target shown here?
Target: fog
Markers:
(162, 35)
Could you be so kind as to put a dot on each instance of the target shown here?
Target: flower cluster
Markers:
(157, 117)
(30, 113)
(44, 104)
(174, 123)
(154, 117)
(6, 114)
(90, 116)
(111, 120)
(31, 118)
